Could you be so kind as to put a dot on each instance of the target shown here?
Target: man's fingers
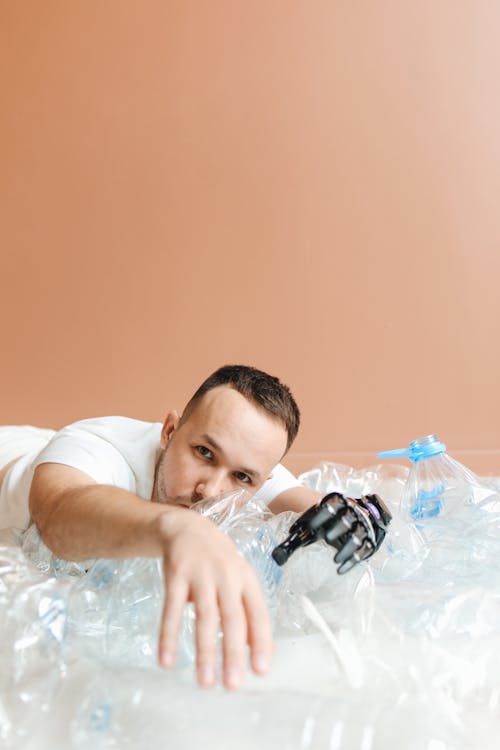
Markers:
(234, 626)
(260, 638)
(225, 592)
(175, 600)
(207, 626)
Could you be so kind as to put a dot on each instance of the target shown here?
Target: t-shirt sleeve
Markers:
(94, 455)
(281, 480)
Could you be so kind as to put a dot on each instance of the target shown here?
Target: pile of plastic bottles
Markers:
(402, 651)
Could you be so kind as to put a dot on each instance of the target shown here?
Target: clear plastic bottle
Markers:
(437, 482)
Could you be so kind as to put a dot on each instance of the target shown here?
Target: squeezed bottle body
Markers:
(436, 483)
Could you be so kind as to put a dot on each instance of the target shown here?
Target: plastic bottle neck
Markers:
(417, 450)
(425, 448)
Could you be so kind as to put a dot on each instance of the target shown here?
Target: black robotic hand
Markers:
(355, 527)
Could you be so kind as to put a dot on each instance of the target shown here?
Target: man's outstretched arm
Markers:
(79, 519)
(297, 499)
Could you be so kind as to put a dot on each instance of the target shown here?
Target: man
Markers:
(88, 485)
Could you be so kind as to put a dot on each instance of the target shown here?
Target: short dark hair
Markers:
(263, 390)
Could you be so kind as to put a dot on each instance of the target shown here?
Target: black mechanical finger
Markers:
(335, 501)
(363, 517)
(354, 542)
(341, 525)
(364, 551)
(347, 565)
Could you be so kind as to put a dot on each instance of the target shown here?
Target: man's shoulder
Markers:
(112, 450)
(116, 428)
(113, 422)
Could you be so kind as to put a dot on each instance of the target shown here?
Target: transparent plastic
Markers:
(33, 618)
(402, 651)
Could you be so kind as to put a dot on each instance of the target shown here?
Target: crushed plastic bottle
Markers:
(33, 618)
(436, 483)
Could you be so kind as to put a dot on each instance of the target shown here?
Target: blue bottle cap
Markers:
(417, 450)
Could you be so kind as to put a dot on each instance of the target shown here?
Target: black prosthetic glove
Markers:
(355, 527)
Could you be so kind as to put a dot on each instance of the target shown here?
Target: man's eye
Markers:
(204, 451)
(242, 477)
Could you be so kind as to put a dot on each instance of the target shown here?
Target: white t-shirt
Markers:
(112, 450)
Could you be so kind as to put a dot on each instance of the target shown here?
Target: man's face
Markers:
(225, 444)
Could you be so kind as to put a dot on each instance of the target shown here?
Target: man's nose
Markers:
(211, 486)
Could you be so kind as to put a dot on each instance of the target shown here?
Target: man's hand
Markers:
(203, 566)
(79, 519)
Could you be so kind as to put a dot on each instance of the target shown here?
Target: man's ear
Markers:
(170, 424)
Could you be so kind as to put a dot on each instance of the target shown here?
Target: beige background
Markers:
(309, 186)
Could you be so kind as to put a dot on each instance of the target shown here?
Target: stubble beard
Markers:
(161, 495)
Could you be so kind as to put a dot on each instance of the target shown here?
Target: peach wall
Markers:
(311, 187)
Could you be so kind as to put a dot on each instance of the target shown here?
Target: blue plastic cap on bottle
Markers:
(417, 450)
